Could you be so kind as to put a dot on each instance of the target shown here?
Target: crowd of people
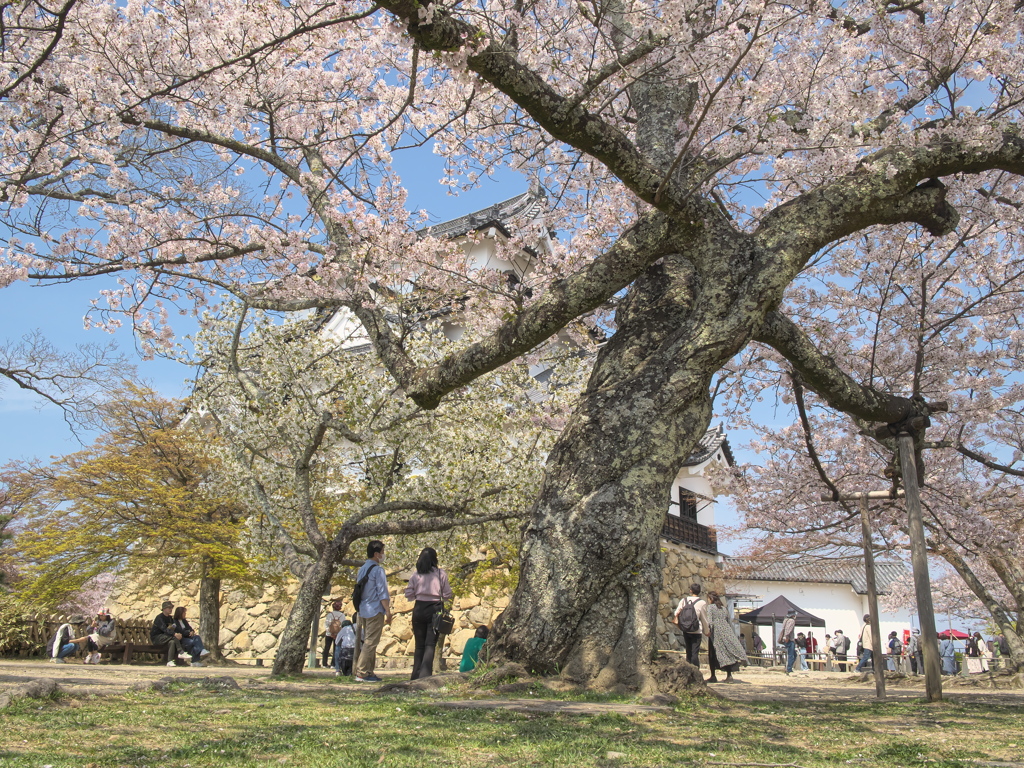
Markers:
(704, 620)
(350, 645)
(353, 643)
(904, 655)
(170, 628)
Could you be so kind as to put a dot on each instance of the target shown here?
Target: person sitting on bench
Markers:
(190, 639)
(164, 631)
(102, 632)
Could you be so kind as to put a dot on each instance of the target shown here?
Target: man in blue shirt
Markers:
(374, 612)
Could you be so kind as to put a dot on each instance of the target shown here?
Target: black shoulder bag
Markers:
(443, 622)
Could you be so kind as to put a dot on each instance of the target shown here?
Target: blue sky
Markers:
(30, 429)
(33, 429)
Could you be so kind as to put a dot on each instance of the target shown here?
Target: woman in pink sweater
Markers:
(429, 588)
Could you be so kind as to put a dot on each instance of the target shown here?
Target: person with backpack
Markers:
(841, 650)
(692, 618)
(372, 600)
(915, 653)
(332, 626)
(895, 661)
(429, 587)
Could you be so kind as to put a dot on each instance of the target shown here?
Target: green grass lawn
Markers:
(319, 724)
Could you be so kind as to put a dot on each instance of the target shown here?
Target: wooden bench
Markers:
(128, 650)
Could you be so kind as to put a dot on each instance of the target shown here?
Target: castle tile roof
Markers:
(521, 209)
(816, 570)
(709, 444)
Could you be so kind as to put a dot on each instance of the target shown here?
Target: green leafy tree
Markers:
(143, 498)
(327, 453)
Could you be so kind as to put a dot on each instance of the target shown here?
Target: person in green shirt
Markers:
(472, 650)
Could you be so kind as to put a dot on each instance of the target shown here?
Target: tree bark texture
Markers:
(209, 615)
(291, 652)
(586, 603)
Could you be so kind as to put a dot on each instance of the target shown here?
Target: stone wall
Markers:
(682, 567)
(252, 624)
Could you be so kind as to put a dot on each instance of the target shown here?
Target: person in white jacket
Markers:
(344, 649)
(63, 643)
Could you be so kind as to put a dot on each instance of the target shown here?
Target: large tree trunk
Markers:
(291, 651)
(586, 603)
(209, 614)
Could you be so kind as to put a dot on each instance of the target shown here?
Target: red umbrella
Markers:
(956, 634)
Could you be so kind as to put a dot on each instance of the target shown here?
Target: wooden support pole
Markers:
(877, 660)
(922, 580)
(313, 635)
(869, 575)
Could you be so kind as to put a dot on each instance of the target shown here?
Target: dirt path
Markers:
(763, 685)
(80, 678)
(755, 684)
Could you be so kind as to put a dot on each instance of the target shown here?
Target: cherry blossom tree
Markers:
(699, 158)
(318, 440)
(30, 30)
(931, 320)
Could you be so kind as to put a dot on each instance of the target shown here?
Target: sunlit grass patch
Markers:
(324, 725)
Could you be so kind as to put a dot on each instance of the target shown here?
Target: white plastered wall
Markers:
(838, 604)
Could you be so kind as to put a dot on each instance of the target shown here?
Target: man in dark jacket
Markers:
(840, 649)
(163, 631)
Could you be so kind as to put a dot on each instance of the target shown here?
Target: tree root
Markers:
(212, 683)
(675, 676)
(506, 673)
(41, 688)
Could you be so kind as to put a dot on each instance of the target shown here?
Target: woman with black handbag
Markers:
(430, 589)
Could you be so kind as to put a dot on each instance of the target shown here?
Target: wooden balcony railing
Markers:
(690, 533)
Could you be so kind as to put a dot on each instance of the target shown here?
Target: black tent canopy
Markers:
(775, 611)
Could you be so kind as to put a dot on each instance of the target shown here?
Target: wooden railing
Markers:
(689, 533)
